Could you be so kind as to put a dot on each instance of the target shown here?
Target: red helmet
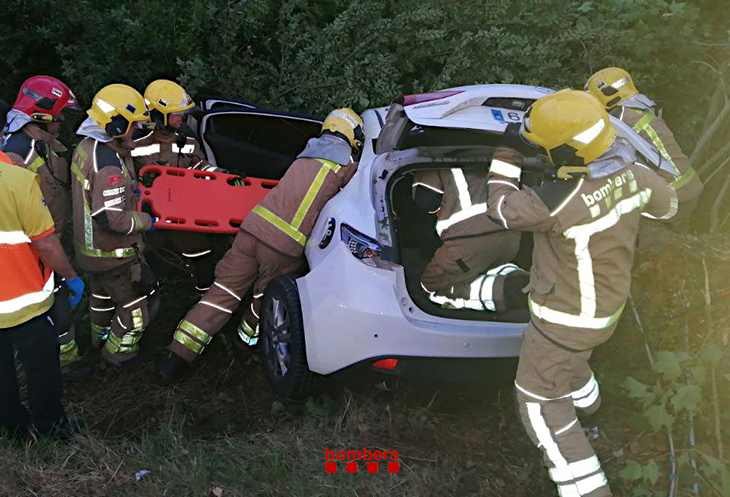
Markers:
(43, 98)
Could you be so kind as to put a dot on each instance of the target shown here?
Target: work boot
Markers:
(172, 368)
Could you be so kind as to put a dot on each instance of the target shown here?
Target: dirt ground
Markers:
(220, 430)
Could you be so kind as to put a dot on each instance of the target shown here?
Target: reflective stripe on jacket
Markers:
(654, 130)
(27, 287)
(284, 219)
(462, 204)
(159, 147)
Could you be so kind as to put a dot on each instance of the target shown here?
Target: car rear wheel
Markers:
(282, 346)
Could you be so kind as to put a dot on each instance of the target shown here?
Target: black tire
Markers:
(281, 342)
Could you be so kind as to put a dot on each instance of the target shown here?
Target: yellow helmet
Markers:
(347, 123)
(116, 107)
(571, 125)
(611, 86)
(166, 97)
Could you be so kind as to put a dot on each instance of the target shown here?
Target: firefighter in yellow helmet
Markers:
(616, 91)
(584, 222)
(171, 143)
(272, 238)
(107, 228)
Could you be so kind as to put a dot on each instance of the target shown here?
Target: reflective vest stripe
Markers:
(468, 210)
(292, 229)
(280, 223)
(462, 187)
(28, 299)
(312, 192)
(573, 320)
(148, 150)
(185, 149)
(684, 178)
(460, 216)
(582, 235)
(13, 237)
(643, 125)
(37, 163)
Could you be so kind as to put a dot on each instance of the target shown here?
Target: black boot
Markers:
(172, 368)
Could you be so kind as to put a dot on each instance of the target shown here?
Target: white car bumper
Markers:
(351, 313)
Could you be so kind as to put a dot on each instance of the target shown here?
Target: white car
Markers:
(360, 306)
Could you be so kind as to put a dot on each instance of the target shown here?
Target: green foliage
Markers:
(679, 386)
(306, 56)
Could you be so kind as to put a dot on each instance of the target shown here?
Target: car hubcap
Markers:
(278, 319)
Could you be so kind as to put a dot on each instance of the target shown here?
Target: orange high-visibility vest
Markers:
(27, 284)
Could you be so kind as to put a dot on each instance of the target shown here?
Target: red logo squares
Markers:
(330, 467)
(352, 467)
(372, 467)
(393, 467)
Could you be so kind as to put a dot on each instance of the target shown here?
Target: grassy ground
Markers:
(220, 431)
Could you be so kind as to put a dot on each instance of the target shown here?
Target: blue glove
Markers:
(154, 220)
(76, 287)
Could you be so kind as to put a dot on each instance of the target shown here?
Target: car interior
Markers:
(417, 240)
(262, 146)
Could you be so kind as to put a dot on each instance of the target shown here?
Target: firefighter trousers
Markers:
(551, 383)
(458, 262)
(120, 309)
(248, 264)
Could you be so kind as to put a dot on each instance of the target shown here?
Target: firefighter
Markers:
(170, 144)
(107, 229)
(272, 238)
(472, 243)
(585, 224)
(29, 255)
(616, 90)
(30, 139)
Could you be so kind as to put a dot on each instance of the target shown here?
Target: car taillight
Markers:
(386, 364)
(361, 246)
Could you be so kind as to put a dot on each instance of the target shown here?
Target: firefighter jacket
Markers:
(458, 197)
(27, 287)
(654, 130)
(284, 219)
(107, 229)
(584, 236)
(37, 150)
(169, 149)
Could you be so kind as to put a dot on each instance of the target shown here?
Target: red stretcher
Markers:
(202, 201)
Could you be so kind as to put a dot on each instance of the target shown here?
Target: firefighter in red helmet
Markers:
(30, 139)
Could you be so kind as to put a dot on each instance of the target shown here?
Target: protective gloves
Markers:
(76, 288)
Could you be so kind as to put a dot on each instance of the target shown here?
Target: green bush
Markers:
(307, 56)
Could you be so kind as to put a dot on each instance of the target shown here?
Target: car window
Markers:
(284, 135)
